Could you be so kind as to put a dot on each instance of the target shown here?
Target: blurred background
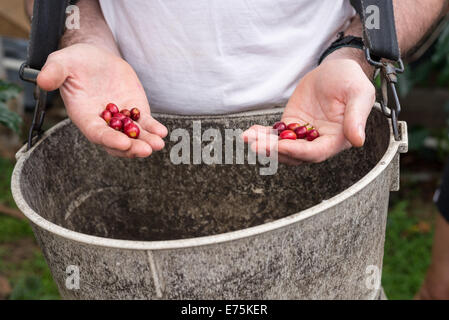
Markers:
(425, 99)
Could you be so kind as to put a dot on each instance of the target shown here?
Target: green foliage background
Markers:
(8, 118)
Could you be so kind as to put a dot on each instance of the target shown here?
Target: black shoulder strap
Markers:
(379, 29)
(381, 44)
(47, 27)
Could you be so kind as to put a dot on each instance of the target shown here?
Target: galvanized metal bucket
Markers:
(150, 229)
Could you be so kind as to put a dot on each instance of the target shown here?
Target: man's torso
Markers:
(214, 56)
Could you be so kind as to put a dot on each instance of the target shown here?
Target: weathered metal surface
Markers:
(149, 229)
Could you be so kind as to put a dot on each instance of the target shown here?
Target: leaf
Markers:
(8, 91)
(10, 119)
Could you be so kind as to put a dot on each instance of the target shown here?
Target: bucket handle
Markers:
(403, 134)
(395, 163)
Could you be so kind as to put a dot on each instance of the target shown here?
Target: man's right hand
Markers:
(89, 78)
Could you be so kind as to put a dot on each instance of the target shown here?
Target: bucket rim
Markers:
(22, 156)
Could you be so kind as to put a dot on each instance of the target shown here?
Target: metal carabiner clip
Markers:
(30, 75)
(38, 118)
(389, 80)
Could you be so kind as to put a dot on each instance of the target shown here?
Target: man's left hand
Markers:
(336, 98)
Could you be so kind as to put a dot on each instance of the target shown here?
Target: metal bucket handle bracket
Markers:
(402, 146)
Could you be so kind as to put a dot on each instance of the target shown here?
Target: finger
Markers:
(52, 75)
(289, 161)
(99, 133)
(153, 140)
(317, 150)
(358, 108)
(260, 148)
(252, 133)
(152, 125)
(115, 153)
(116, 140)
(139, 149)
(265, 144)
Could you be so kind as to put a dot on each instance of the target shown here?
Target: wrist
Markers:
(356, 55)
(93, 29)
(71, 38)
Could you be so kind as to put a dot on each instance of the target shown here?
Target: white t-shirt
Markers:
(222, 56)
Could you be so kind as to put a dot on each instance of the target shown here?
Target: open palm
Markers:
(88, 79)
(336, 98)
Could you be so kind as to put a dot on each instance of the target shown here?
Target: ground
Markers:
(25, 275)
(21, 261)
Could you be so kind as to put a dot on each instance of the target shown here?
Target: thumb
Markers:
(358, 108)
(52, 75)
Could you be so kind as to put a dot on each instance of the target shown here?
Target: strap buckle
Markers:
(28, 74)
(389, 79)
(35, 131)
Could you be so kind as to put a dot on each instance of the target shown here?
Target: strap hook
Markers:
(389, 79)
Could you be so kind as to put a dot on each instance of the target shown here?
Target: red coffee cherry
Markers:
(312, 134)
(293, 126)
(106, 115)
(132, 130)
(135, 114)
(126, 121)
(112, 108)
(301, 132)
(280, 126)
(116, 124)
(126, 113)
(288, 134)
(120, 116)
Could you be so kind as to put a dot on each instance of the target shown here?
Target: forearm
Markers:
(413, 21)
(94, 29)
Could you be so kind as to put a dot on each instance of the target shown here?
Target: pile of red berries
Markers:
(122, 120)
(295, 131)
